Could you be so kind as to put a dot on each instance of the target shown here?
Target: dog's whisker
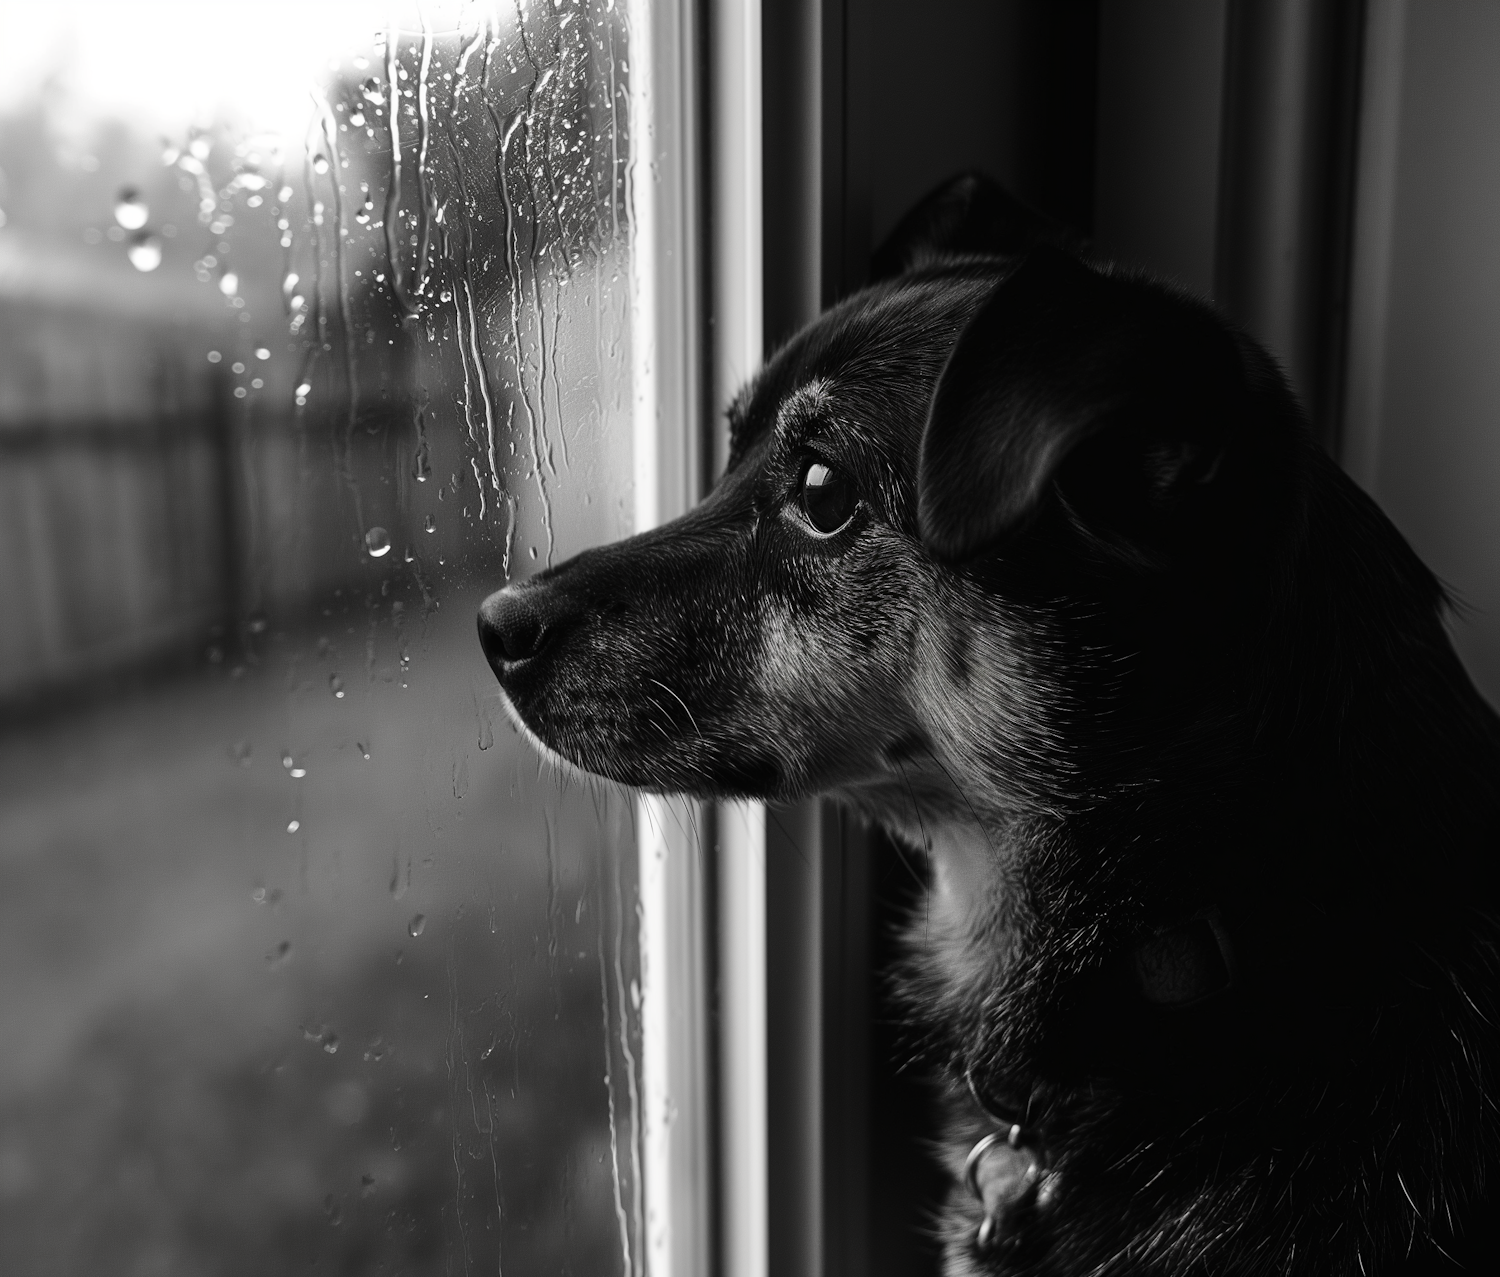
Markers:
(681, 702)
(927, 855)
(962, 793)
(661, 709)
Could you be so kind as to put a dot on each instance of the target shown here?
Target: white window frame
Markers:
(666, 370)
(704, 1126)
(731, 1186)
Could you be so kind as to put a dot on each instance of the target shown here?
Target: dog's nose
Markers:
(510, 628)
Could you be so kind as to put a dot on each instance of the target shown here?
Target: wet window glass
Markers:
(314, 330)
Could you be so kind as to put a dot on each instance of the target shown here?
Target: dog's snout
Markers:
(511, 628)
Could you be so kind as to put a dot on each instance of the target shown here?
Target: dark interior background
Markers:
(1328, 172)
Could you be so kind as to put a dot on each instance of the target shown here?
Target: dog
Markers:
(1033, 562)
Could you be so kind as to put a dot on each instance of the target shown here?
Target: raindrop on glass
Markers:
(144, 252)
(320, 164)
(336, 686)
(417, 925)
(377, 542)
(130, 209)
(214, 356)
(229, 285)
(262, 353)
(292, 826)
(357, 119)
(429, 524)
(372, 90)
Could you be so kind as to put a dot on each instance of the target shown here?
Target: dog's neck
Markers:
(978, 937)
(975, 910)
(971, 925)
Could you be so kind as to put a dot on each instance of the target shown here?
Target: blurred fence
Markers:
(114, 546)
(146, 513)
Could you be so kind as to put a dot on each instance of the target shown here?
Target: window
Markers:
(317, 322)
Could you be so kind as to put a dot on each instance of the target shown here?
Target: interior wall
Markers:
(1107, 115)
(1424, 435)
(1161, 77)
(1005, 86)
(1288, 142)
(1436, 470)
(938, 99)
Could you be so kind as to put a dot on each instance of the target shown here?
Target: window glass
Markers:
(314, 329)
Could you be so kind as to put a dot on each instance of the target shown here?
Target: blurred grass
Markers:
(226, 1052)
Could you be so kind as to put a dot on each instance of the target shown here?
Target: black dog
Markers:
(1035, 563)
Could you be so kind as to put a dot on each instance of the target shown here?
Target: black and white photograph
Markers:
(749, 638)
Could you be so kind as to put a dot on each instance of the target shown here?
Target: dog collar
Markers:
(1007, 1171)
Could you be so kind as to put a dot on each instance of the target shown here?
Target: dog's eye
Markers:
(828, 499)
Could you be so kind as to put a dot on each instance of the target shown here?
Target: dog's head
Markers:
(964, 511)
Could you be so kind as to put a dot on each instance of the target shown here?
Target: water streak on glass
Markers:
(309, 960)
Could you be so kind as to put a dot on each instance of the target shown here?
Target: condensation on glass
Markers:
(314, 329)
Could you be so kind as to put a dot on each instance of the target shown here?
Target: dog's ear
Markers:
(1106, 395)
(969, 213)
